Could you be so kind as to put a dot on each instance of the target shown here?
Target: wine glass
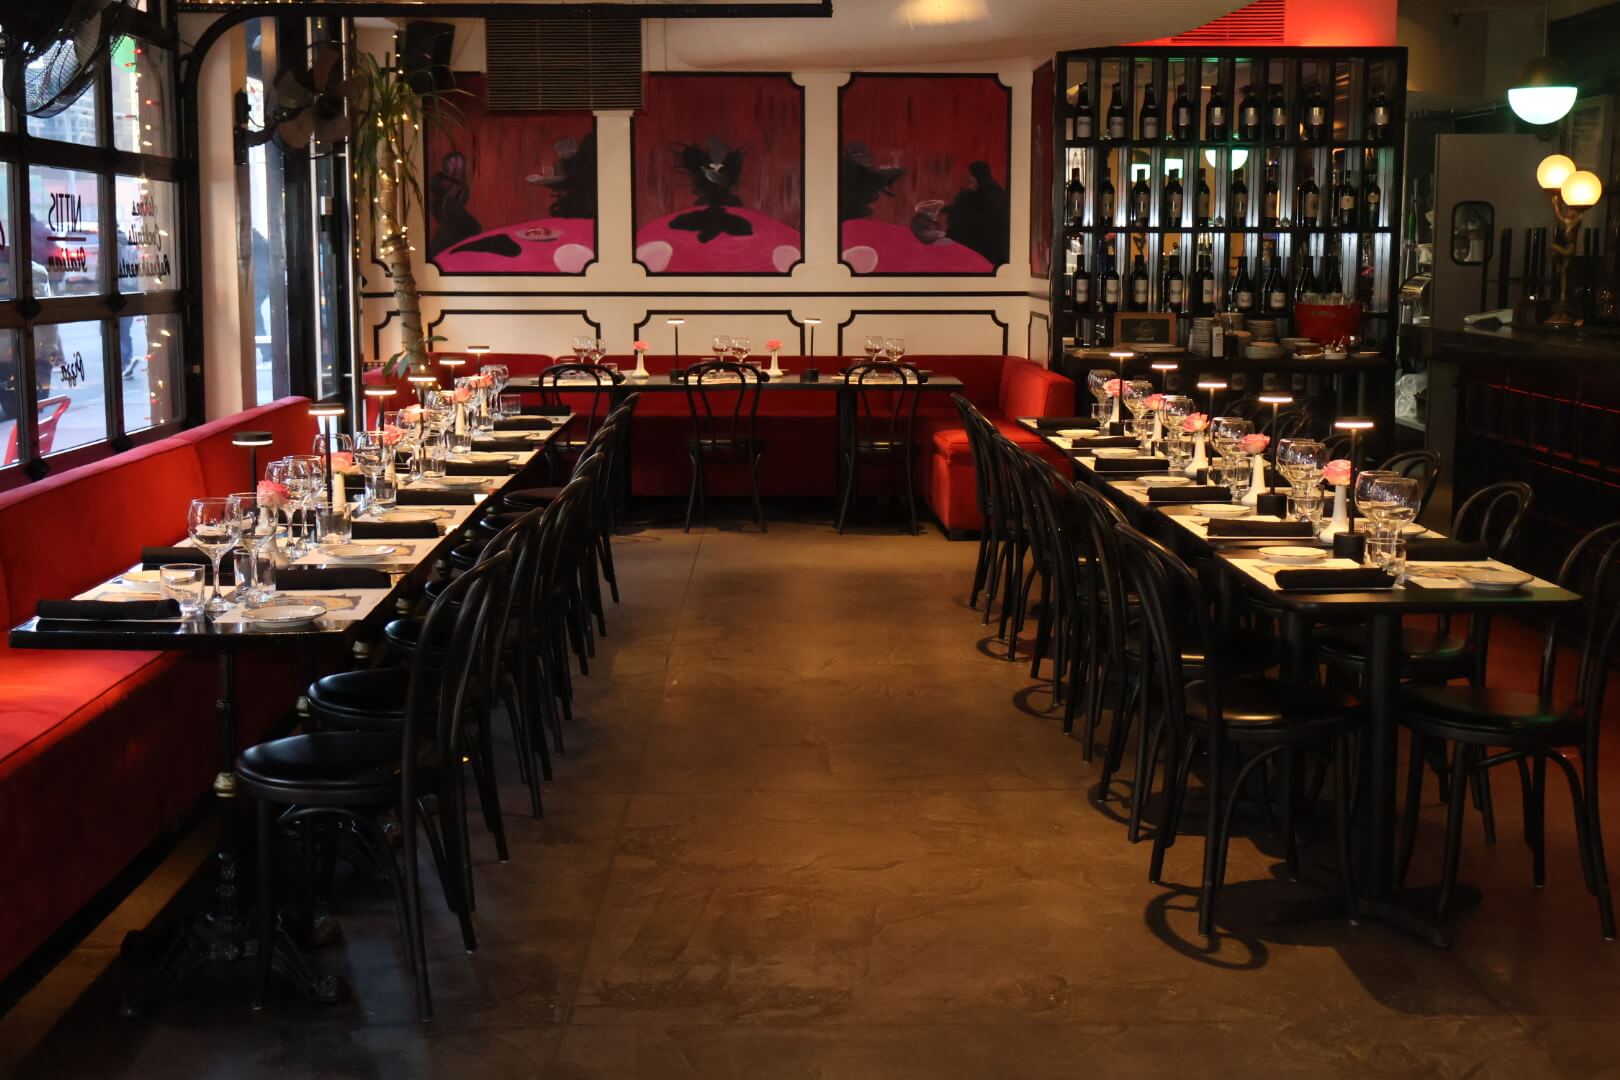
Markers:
(1135, 393)
(1097, 380)
(1227, 432)
(597, 351)
(872, 346)
(722, 346)
(582, 348)
(1237, 475)
(341, 444)
(740, 348)
(894, 349)
(1366, 495)
(1301, 461)
(256, 524)
(214, 528)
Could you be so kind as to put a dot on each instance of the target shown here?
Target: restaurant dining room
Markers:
(809, 539)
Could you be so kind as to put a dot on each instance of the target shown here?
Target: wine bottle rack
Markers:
(1360, 95)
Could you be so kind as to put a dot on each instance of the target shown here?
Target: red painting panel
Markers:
(1042, 98)
(923, 169)
(510, 192)
(719, 174)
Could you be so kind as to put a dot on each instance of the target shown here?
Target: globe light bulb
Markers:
(1581, 189)
(1545, 92)
(1553, 171)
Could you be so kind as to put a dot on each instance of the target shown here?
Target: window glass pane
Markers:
(146, 234)
(10, 357)
(149, 349)
(140, 98)
(73, 413)
(75, 124)
(8, 266)
(63, 213)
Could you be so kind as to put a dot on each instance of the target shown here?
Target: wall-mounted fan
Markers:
(52, 52)
(313, 108)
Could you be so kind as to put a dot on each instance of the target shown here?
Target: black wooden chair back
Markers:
(883, 413)
(1494, 515)
(587, 389)
(724, 400)
(1420, 465)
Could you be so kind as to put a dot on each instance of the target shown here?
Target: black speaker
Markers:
(424, 55)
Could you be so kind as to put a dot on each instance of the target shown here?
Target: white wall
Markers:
(542, 314)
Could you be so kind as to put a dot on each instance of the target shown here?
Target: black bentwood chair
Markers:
(973, 425)
(412, 770)
(724, 400)
(1492, 727)
(1229, 720)
(587, 389)
(878, 426)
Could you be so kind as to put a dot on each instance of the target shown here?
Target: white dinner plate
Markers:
(1115, 452)
(1075, 434)
(455, 481)
(1492, 579)
(483, 457)
(140, 577)
(282, 616)
(401, 514)
(1294, 554)
(359, 551)
(1220, 509)
(1166, 480)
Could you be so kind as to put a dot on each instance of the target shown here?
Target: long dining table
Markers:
(354, 616)
(1426, 590)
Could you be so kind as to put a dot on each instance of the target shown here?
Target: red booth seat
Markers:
(99, 751)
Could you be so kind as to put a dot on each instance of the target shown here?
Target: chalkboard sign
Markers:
(1145, 330)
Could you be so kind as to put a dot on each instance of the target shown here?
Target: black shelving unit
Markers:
(1346, 80)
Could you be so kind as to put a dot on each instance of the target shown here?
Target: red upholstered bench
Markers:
(99, 751)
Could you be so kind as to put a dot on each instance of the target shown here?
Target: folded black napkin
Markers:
(1060, 423)
(108, 610)
(332, 577)
(1445, 551)
(1359, 579)
(479, 468)
(1280, 530)
(1190, 493)
(394, 530)
(1105, 440)
(524, 423)
(154, 557)
(1130, 465)
(434, 497)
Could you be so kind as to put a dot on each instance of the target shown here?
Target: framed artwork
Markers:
(509, 192)
(1043, 93)
(923, 168)
(718, 184)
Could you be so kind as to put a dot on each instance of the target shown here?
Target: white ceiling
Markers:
(888, 33)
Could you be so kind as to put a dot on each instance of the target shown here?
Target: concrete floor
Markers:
(810, 826)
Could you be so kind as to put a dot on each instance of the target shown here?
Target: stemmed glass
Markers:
(582, 348)
(1227, 432)
(722, 346)
(213, 527)
(1387, 500)
(597, 350)
(872, 346)
(1135, 392)
(740, 348)
(1173, 412)
(371, 453)
(1301, 461)
(1237, 474)
(1097, 380)
(341, 444)
(299, 478)
(256, 524)
(894, 349)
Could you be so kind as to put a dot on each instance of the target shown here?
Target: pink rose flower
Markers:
(1154, 402)
(773, 345)
(392, 434)
(1195, 422)
(461, 395)
(1255, 444)
(343, 462)
(272, 494)
(1112, 387)
(641, 346)
(1337, 472)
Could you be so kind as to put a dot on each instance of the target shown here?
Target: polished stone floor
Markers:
(809, 825)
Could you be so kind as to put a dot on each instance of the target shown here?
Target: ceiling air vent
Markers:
(1259, 23)
(563, 63)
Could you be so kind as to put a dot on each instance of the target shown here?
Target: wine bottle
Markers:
(1347, 202)
(1175, 286)
(1378, 115)
(1306, 285)
(1116, 115)
(1085, 117)
(1239, 195)
(1204, 286)
(1371, 200)
(1240, 294)
(1217, 124)
(1149, 121)
(1141, 201)
(1332, 276)
(1105, 198)
(1139, 284)
(1081, 285)
(1308, 207)
(1173, 196)
(1248, 125)
(1274, 291)
(1110, 290)
(1201, 200)
(1270, 199)
(1313, 120)
(1074, 199)
(1277, 115)
(1365, 274)
(1097, 284)
(1181, 116)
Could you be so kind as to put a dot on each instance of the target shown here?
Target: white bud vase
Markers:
(340, 495)
(1257, 479)
(1341, 513)
(1158, 429)
(1115, 418)
(1199, 460)
(775, 370)
(641, 366)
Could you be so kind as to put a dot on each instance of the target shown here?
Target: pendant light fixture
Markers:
(1546, 90)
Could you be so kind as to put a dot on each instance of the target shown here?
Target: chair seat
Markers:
(346, 766)
(529, 498)
(1347, 646)
(1492, 714)
(370, 699)
(1273, 708)
(726, 446)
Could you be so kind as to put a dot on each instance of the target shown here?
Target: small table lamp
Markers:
(423, 384)
(1214, 386)
(812, 322)
(454, 363)
(252, 440)
(379, 394)
(477, 351)
(1164, 368)
(325, 413)
(1355, 425)
(675, 324)
(1276, 401)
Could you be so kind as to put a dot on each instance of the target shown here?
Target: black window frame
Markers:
(22, 314)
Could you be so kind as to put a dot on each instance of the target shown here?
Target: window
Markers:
(91, 328)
